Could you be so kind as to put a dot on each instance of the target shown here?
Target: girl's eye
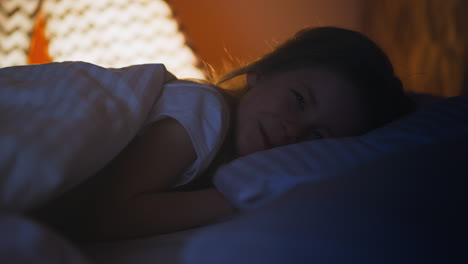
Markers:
(316, 134)
(312, 135)
(299, 99)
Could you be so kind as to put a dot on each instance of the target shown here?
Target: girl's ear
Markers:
(251, 78)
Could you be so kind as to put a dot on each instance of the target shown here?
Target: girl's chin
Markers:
(251, 144)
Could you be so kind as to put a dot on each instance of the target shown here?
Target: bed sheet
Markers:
(24, 241)
(400, 208)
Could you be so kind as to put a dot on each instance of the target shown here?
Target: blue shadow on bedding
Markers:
(404, 208)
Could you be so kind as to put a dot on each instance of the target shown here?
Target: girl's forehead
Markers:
(315, 78)
(307, 73)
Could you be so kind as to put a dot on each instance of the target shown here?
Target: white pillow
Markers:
(253, 180)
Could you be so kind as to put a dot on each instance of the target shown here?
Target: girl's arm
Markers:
(159, 213)
(136, 201)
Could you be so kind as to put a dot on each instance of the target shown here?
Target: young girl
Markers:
(324, 82)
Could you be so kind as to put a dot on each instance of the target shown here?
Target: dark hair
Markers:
(348, 53)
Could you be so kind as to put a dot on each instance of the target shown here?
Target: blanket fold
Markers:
(62, 122)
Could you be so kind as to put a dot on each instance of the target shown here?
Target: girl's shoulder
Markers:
(202, 111)
(203, 86)
(193, 84)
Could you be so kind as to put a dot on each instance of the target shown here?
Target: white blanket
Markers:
(61, 122)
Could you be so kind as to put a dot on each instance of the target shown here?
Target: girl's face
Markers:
(297, 105)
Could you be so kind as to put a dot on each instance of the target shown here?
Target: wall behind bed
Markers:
(245, 29)
(425, 39)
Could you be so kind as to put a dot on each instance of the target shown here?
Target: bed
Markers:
(394, 195)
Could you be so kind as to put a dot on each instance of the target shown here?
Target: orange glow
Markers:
(38, 51)
(226, 31)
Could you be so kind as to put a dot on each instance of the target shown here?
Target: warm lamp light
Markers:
(110, 33)
(117, 33)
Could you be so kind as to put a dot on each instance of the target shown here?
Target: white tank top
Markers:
(202, 111)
